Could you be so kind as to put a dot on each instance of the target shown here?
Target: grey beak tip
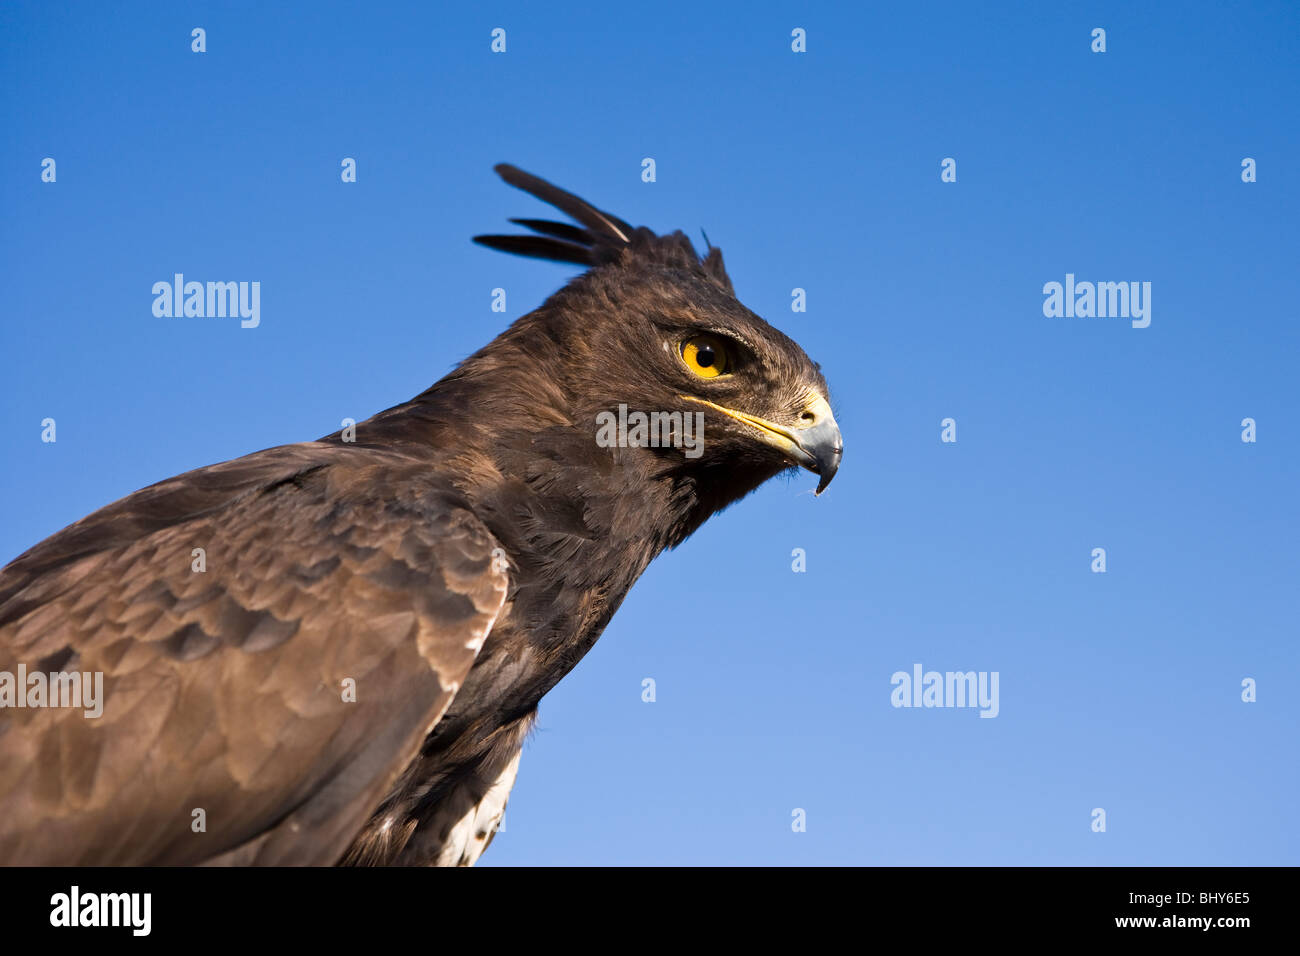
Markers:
(827, 469)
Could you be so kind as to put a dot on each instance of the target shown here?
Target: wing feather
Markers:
(223, 688)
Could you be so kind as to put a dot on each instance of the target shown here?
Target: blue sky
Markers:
(819, 171)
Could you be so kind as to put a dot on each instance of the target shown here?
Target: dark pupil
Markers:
(705, 356)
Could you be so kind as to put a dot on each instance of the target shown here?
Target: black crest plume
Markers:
(599, 238)
(602, 239)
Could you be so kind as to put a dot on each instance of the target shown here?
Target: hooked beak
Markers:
(815, 443)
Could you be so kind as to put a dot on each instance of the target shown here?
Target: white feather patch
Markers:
(469, 836)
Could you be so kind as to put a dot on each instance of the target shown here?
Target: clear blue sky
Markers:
(820, 171)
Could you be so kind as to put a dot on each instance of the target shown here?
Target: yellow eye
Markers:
(706, 356)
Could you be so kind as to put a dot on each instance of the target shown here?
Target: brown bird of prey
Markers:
(331, 652)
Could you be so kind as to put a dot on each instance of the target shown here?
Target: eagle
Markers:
(331, 652)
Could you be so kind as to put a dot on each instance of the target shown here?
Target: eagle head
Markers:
(659, 363)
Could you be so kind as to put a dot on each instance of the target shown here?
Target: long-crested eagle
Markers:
(349, 673)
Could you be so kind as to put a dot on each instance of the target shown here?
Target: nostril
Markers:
(808, 417)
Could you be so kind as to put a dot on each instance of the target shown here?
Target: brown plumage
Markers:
(452, 564)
